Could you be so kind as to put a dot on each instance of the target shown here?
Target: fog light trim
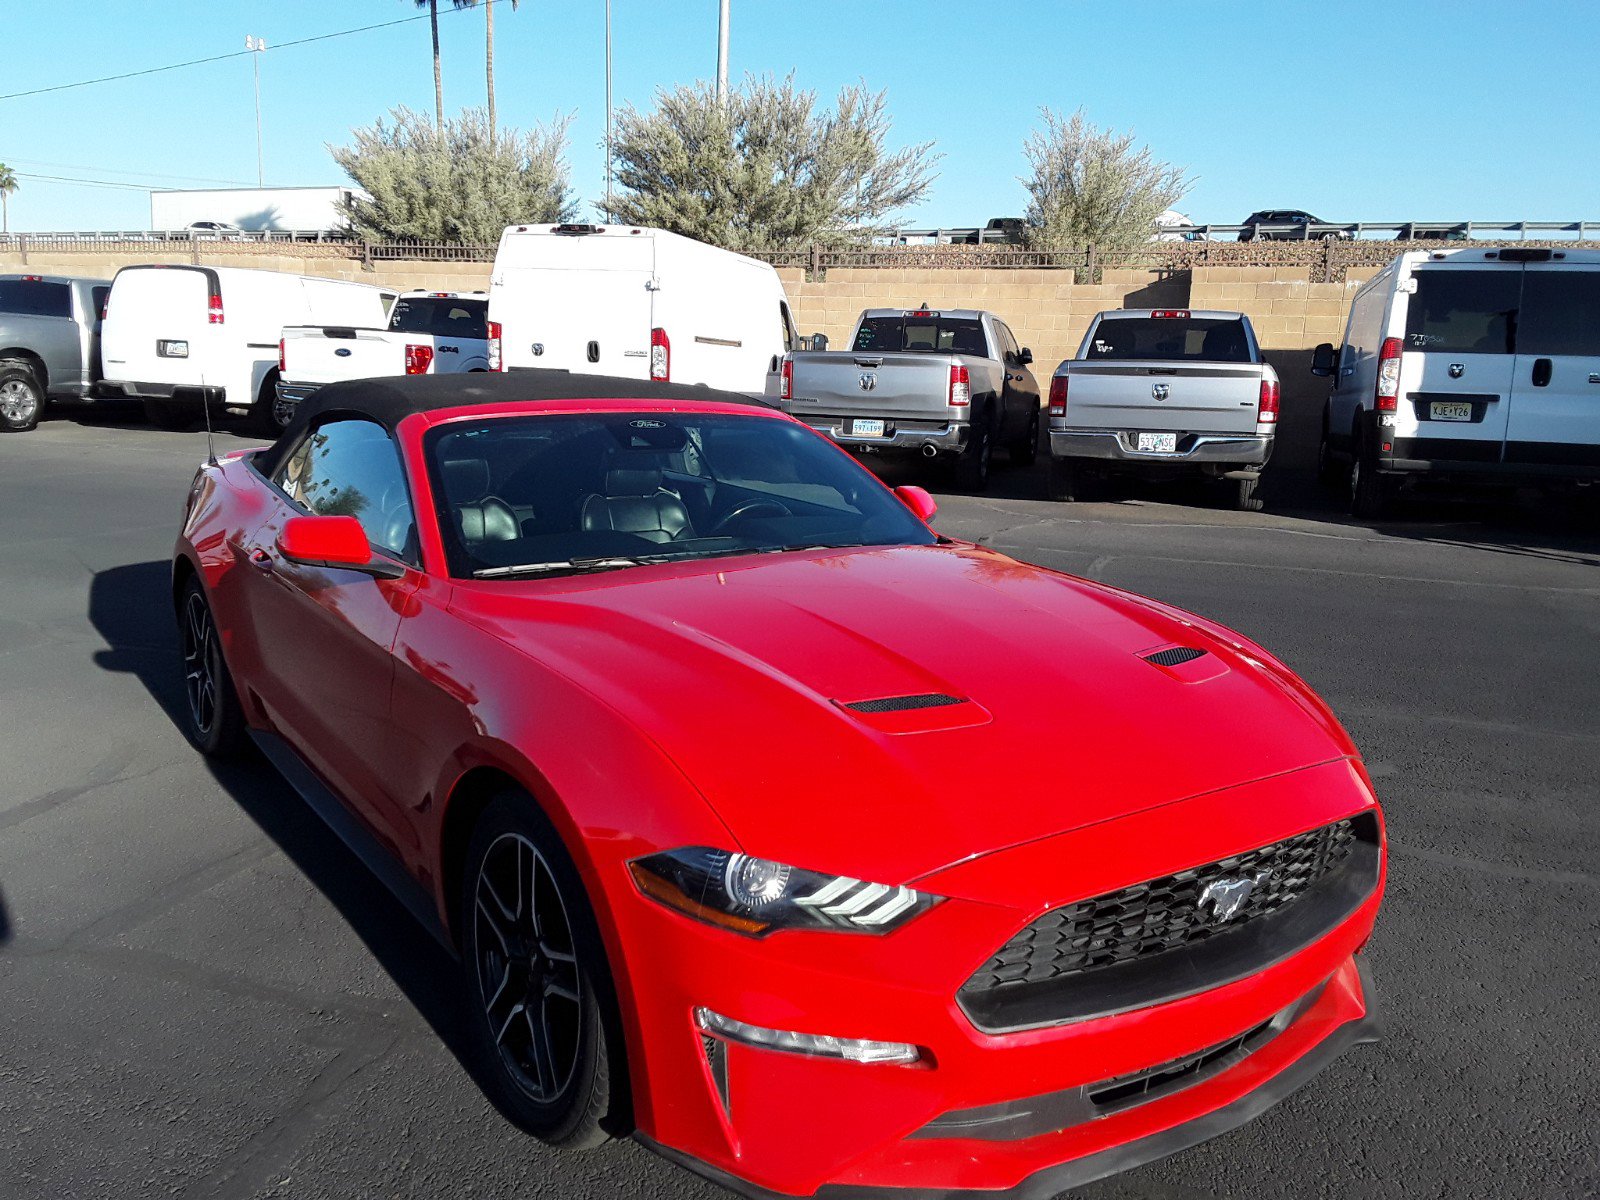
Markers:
(861, 1050)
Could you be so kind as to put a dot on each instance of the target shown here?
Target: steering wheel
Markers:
(750, 508)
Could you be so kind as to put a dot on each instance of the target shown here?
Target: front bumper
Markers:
(1193, 448)
(901, 435)
(768, 1123)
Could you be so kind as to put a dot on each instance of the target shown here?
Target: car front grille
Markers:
(1115, 942)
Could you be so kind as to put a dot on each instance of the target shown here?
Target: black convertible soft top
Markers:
(390, 400)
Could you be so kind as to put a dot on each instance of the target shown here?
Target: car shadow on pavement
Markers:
(5, 921)
(131, 608)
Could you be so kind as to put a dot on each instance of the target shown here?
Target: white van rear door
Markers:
(1457, 362)
(578, 302)
(158, 328)
(1555, 402)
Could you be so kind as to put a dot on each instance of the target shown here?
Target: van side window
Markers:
(1464, 312)
(787, 320)
(351, 468)
(1560, 313)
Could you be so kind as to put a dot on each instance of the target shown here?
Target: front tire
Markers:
(539, 989)
(1025, 452)
(21, 397)
(214, 720)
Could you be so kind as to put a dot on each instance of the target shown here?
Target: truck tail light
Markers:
(786, 380)
(283, 357)
(418, 359)
(960, 386)
(214, 308)
(495, 361)
(660, 356)
(1267, 407)
(1058, 396)
(1177, 313)
(1388, 392)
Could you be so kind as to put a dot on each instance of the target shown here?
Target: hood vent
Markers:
(1174, 656)
(891, 704)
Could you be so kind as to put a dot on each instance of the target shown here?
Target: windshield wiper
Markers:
(607, 563)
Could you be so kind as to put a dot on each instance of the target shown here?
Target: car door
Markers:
(1021, 389)
(1456, 361)
(326, 634)
(1554, 415)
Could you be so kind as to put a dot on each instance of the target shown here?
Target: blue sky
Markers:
(1355, 110)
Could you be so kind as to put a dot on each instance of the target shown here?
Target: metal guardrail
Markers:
(1397, 230)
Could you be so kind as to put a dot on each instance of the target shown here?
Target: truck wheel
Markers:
(1245, 499)
(1025, 452)
(1069, 481)
(972, 465)
(21, 397)
(266, 419)
(165, 415)
(1369, 491)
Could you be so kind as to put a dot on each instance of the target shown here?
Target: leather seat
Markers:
(636, 503)
(479, 516)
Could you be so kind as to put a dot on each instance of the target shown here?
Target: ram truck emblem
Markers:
(1225, 897)
(1160, 391)
(868, 381)
(1457, 370)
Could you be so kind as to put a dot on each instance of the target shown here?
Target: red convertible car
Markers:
(819, 852)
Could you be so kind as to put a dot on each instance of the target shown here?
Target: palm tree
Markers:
(8, 184)
(488, 24)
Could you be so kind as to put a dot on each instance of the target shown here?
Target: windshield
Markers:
(1170, 339)
(440, 317)
(947, 335)
(547, 494)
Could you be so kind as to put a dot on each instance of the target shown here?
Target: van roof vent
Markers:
(1174, 656)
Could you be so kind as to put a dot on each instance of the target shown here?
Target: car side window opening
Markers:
(1464, 312)
(351, 468)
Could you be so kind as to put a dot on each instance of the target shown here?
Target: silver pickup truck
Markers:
(1163, 392)
(49, 343)
(951, 384)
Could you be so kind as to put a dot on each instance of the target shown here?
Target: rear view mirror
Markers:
(333, 542)
(1322, 360)
(1026, 357)
(818, 341)
(918, 501)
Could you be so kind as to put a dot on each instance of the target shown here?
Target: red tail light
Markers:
(660, 356)
(496, 363)
(214, 308)
(1058, 395)
(283, 361)
(1388, 393)
(960, 386)
(786, 380)
(418, 359)
(1267, 408)
(33, 279)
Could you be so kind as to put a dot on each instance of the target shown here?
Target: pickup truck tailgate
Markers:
(1187, 398)
(327, 355)
(881, 384)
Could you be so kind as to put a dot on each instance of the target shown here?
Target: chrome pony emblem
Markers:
(1160, 391)
(868, 381)
(1226, 897)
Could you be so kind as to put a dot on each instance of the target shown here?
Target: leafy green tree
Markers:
(1092, 186)
(456, 185)
(769, 170)
(8, 184)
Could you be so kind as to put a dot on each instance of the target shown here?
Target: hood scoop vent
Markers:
(894, 704)
(1173, 656)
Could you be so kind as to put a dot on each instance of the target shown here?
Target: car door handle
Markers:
(1543, 368)
(260, 559)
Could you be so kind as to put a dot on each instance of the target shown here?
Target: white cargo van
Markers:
(639, 303)
(1466, 366)
(175, 336)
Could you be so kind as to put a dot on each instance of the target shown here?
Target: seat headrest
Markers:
(466, 480)
(633, 481)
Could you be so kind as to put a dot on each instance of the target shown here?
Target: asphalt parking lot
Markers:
(203, 994)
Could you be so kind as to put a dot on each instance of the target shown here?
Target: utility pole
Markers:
(722, 54)
(608, 112)
(256, 45)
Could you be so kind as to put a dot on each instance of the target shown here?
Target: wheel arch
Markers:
(32, 360)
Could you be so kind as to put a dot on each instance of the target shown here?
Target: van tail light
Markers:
(1388, 394)
(418, 359)
(1267, 407)
(496, 363)
(1058, 396)
(283, 356)
(960, 386)
(214, 308)
(786, 380)
(660, 356)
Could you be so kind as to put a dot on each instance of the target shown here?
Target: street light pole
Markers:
(722, 54)
(256, 45)
(608, 112)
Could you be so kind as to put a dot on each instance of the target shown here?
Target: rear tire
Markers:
(1370, 492)
(164, 414)
(544, 1017)
(1026, 452)
(21, 397)
(974, 462)
(267, 418)
(1245, 498)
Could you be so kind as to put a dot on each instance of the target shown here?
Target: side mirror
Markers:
(819, 341)
(333, 542)
(1322, 360)
(1026, 357)
(918, 501)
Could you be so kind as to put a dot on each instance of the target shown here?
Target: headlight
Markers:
(756, 896)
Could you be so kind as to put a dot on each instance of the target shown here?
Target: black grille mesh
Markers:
(904, 703)
(1162, 914)
(1172, 656)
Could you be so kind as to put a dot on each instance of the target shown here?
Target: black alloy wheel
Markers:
(214, 722)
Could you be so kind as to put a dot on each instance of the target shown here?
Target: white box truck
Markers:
(178, 337)
(638, 303)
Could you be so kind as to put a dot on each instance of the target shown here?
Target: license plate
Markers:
(1445, 410)
(166, 349)
(1158, 443)
(860, 428)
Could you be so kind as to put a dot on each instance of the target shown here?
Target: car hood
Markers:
(744, 671)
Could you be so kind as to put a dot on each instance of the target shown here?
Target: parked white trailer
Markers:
(179, 336)
(639, 303)
(308, 209)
